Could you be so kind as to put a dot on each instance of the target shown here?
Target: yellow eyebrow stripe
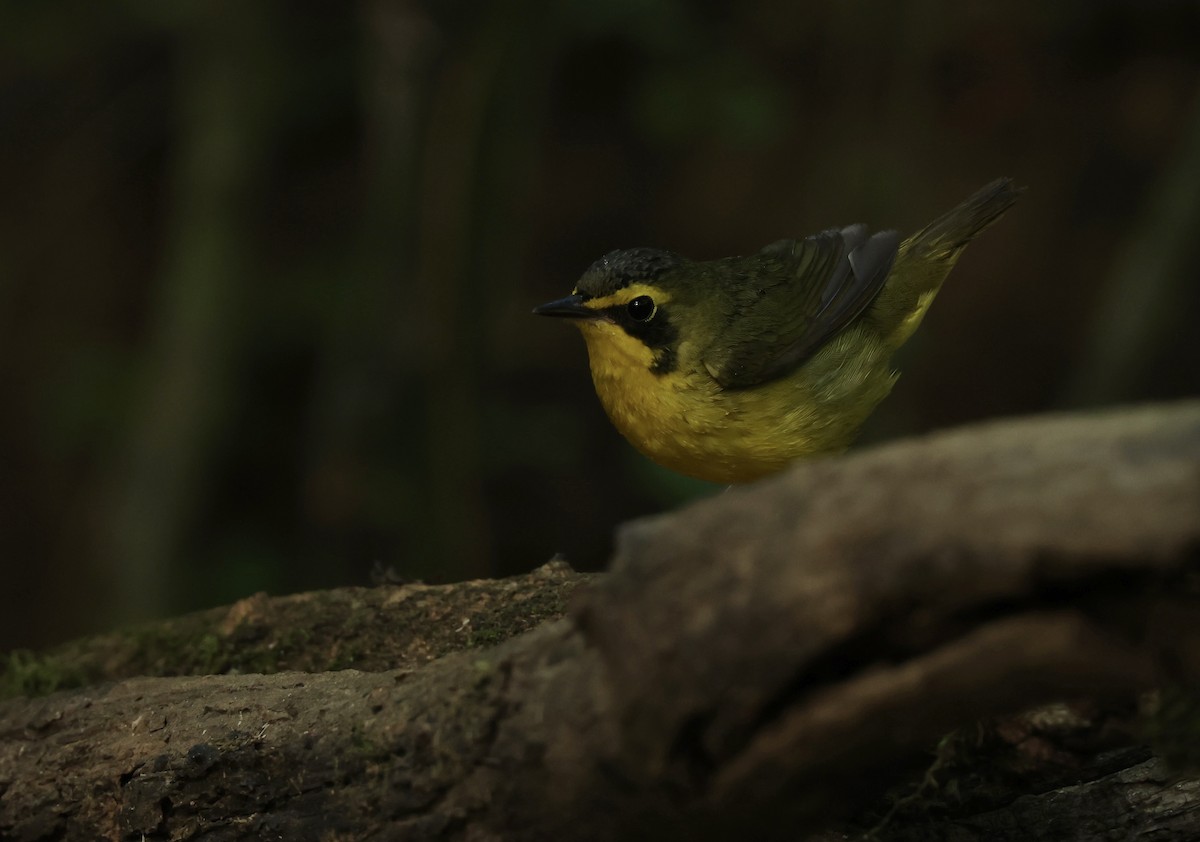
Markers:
(626, 294)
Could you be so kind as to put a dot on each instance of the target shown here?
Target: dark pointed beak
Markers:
(570, 307)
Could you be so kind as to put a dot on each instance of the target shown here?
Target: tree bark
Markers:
(858, 645)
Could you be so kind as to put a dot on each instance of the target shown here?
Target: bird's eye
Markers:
(641, 309)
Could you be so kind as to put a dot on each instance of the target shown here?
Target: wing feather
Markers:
(797, 296)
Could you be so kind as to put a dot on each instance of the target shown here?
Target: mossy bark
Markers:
(370, 629)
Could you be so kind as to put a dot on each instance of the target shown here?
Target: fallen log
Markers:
(857, 645)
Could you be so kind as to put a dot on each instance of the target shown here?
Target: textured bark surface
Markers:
(370, 629)
(855, 644)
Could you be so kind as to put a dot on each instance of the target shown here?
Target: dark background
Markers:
(266, 268)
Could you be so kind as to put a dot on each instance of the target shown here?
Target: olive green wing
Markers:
(795, 296)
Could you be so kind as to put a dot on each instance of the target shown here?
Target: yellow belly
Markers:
(686, 422)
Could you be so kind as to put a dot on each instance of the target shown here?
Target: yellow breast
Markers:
(685, 421)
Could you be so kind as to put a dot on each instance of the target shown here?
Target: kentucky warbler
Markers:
(727, 370)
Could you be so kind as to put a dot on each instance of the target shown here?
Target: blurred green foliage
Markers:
(266, 268)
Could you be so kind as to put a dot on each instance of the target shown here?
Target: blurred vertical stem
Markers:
(1151, 280)
(363, 345)
(196, 330)
(475, 100)
(447, 193)
(436, 243)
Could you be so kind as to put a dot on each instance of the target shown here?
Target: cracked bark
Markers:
(786, 660)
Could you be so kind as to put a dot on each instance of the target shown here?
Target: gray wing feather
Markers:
(803, 293)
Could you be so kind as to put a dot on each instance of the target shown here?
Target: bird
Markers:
(730, 370)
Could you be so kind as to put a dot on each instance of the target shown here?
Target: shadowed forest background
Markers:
(266, 268)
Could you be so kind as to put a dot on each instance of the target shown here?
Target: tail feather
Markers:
(954, 229)
(925, 258)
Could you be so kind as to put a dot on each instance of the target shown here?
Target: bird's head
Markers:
(629, 302)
